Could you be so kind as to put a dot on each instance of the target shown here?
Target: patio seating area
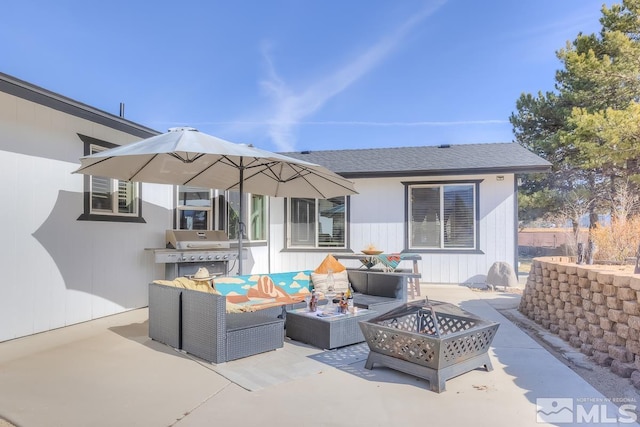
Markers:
(109, 372)
(200, 323)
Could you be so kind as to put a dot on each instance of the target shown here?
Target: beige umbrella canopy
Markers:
(184, 156)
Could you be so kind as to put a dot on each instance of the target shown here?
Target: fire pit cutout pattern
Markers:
(432, 340)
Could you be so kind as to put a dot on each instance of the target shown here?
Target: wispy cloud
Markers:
(274, 123)
(291, 107)
(408, 124)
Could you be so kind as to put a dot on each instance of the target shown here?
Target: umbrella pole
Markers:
(240, 224)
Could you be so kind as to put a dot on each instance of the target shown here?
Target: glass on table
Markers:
(330, 307)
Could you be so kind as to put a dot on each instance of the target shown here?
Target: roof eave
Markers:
(447, 172)
(38, 95)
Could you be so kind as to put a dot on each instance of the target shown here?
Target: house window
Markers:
(254, 213)
(317, 223)
(111, 196)
(194, 208)
(443, 216)
(108, 199)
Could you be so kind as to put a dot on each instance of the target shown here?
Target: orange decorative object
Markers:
(329, 263)
(371, 252)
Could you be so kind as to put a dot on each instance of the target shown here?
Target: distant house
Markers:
(74, 246)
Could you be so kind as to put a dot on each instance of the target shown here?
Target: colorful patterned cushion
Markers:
(264, 290)
(252, 292)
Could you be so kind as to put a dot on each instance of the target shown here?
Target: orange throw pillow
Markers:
(329, 263)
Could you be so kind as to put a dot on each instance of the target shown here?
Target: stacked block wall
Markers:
(594, 308)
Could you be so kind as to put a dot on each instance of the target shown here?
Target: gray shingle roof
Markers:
(427, 160)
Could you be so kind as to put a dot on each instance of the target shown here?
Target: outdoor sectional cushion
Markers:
(202, 286)
(321, 282)
(264, 290)
(369, 301)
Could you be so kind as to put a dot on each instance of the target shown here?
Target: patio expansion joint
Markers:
(187, 413)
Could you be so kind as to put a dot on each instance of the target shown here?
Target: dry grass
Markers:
(618, 241)
(524, 264)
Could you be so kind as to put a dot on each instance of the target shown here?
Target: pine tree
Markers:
(589, 127)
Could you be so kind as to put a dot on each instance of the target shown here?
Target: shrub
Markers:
(618, 241)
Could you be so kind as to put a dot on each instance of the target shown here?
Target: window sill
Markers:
(247, 243)
(314, 250)
(445, 251)
(111, 218)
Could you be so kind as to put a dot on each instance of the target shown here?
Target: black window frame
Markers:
(333, 249)
(407, 217)
(87, 215)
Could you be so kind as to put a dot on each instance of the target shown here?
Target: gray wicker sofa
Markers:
(197, 322)
(379, 291)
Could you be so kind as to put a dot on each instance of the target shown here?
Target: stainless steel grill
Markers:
(188, 250)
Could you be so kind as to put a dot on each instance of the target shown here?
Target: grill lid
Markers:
(197, 239)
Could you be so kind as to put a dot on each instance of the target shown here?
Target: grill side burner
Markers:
(188, 250)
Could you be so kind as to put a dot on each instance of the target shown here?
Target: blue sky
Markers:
(289, 75)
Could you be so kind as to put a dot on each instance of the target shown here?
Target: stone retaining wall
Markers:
(596, 308)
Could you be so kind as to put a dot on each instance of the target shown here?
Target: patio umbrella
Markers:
(184, 156)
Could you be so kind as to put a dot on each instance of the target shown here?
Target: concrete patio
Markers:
(108, 372)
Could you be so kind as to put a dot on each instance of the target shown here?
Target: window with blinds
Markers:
(194, 208)
(197, 209)
(317, 223)
(442, 216)
(112, 197)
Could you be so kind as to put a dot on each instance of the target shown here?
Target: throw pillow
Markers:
(330, 263)
(340, 282)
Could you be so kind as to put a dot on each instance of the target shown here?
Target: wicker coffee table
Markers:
(326, 332)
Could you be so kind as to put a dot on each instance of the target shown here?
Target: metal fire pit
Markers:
(431, 340)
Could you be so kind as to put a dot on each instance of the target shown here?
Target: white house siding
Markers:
(377, 217)
(57, 270)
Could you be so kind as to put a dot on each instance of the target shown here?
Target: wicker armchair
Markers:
(198, 323)
(209, 333)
